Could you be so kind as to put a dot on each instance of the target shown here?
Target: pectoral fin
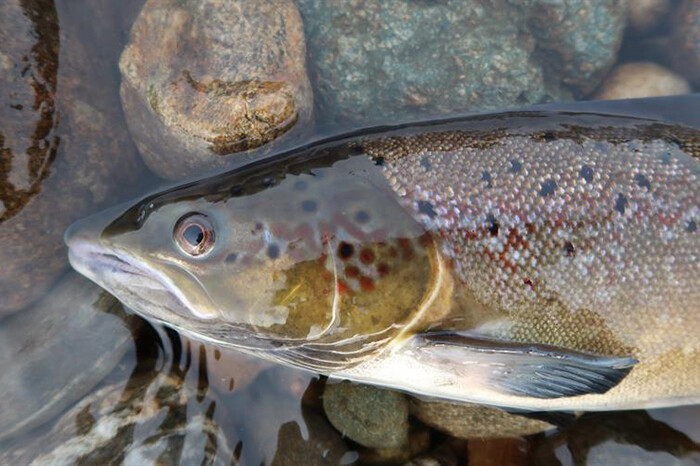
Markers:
(529, 370)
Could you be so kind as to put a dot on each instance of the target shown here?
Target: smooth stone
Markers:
(499, 452)
(641, 79)
(154, 419)
(64, 148)
(685, 41)
(204, 81)
(371, 416)
(417, 443)
(57, 350)
(378, 62)
(465, 420)
(646, 15)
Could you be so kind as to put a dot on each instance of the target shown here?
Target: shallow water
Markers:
(244, 411)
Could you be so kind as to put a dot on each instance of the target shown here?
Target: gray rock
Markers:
(685, 41)
(465, 420)
(374, 62)
(64, 150)
(150, 421)
(56, 351)
(204, 80)
(371, 416)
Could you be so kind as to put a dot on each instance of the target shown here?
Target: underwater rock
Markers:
(375, 62)
(443, 455)
(417, 443)
(645, 15)
(371, 416)
(498, 452)
(146, 422)
(205, 80)
(319, 445)
(685, 41)
(57, 350)
(466, 420)
(641, 79)
(64, 149)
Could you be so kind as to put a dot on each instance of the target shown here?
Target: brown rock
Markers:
(498, 452)
(641, 79)
(63, 147)
(465, 420)
(207, 79)
(418, 443)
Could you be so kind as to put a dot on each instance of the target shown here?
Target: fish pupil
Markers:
(194, 234)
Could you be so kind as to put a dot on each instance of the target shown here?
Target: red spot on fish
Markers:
(366, 283)
(343, 287)
(425, 240)
(352, 271)
(406, 248)
(366, 256)
(383, 270)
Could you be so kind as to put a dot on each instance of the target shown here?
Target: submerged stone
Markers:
(146, 422)
(203, 81)
(641, 79)
(63, 148)
(375, 62)
(466, 420)
(56, 351)
(371, 416)
(685, 41)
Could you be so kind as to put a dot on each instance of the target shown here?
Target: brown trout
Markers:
(536, 259)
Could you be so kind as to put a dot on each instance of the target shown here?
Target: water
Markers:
(178, 401)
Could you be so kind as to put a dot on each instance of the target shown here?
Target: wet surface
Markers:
(65, 151)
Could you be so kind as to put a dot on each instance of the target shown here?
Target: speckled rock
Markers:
(146, 422)
(465, 420)
(204, 80)
(64, 149)
(417, 443)
(685, 41)
(374, 62)
(645, 15)
(56, 351)
(371, 416)
(641, 79)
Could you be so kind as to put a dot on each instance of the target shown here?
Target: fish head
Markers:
(316, 267)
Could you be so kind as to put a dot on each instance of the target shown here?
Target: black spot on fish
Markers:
(236, 190)
(586, 173)
(356, 149)
(486, 176)
(692, 227)
(362, 216)
(666, 158)
(548, 188)
(379, 161)
(268, 181)
(569, 249)
(231, 258)
(309, 205)
(425, 163)
(426, 208)
(301, 185)
(345, 250)
(273, 251)
(493, 225)
(642, 181)
(548, 136)
(621, 203)
(515, 166)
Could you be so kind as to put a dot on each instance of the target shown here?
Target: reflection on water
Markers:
(65, 149)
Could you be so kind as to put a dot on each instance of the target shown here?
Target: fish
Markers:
(539, 259)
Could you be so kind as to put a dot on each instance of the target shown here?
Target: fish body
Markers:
(539, 259)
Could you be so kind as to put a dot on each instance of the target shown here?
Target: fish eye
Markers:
(194, 234)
